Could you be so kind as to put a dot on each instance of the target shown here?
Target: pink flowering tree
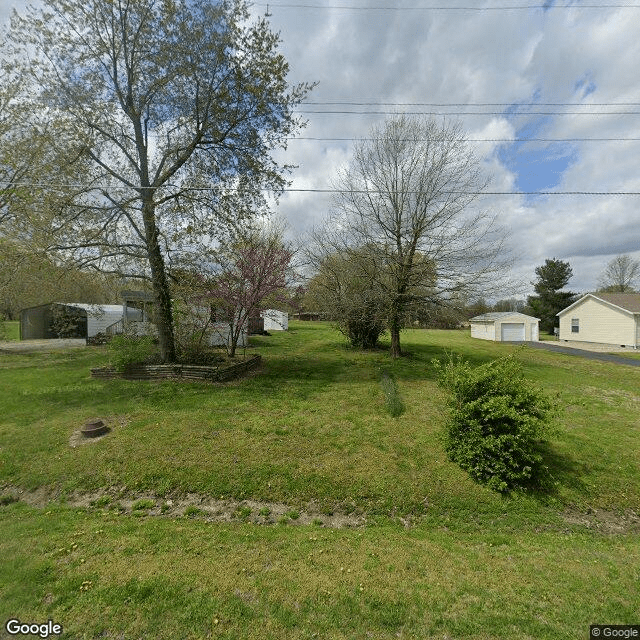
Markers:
(252, 270)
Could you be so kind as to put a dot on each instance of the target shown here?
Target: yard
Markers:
(291, 505)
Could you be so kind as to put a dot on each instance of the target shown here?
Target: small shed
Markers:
(275, 320)
(68, 319)
(602, 318)
(505, 326)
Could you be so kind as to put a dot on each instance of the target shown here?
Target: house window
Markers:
(575, 325)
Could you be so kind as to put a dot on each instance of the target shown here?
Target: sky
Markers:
(562, 70)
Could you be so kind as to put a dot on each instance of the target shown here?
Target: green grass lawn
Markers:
(439, 556)
(10, 330)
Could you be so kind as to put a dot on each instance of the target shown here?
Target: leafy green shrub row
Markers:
(498, 422)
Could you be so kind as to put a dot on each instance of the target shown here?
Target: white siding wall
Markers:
(534, 331)
(599, 322)
(275, 320)
(221, 336)
(483, 330)
(98, 322)
(100, 316)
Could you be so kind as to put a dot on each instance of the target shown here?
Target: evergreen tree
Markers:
(553, 276)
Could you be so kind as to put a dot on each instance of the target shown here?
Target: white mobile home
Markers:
(603, 318)
(505, 326)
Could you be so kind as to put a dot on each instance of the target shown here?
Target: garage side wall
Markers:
(35, 323)
(484, 330)
(598, 322)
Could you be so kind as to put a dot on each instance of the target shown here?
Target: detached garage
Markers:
(506, 326)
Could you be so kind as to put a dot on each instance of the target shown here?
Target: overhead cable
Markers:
(524, 7)
(470, 113)
(320, 190)
(510, 140)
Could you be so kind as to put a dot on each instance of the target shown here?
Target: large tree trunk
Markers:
(164, 315)
(394, 329)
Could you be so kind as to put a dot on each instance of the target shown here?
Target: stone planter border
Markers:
(179, 371)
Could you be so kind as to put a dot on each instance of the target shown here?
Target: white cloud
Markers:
(557, 56)
(489, 57)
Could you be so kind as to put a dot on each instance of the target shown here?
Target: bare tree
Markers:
(406, 197)
(175, 106)
(620, 275)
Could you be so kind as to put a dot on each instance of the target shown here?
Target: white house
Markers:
(603, 318)
(275, 320)
(505, 326)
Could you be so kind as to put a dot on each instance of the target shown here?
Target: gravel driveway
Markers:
(27, 346)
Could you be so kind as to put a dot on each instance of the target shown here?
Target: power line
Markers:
(375, 103)
(329, 190)
(477, 193)
(470, 113)
(524, 7)
(510, 140)
(470, 104)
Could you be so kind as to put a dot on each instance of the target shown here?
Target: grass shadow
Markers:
(559, 471)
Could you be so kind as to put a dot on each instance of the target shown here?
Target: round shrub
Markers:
(498, 422)
(363, 333)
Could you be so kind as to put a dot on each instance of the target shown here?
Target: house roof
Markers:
(499, 315)
(629, 302)
(94, 309)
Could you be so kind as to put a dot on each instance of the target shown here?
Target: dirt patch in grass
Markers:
(196, 506)
(614, 397)
(607, 522)
(189, 506)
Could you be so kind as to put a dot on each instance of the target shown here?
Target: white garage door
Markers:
(512, 331)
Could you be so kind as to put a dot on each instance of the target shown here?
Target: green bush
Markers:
(363, 332)
(127, 350)
(498, 422)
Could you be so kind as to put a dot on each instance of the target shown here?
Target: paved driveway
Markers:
(583, 353)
